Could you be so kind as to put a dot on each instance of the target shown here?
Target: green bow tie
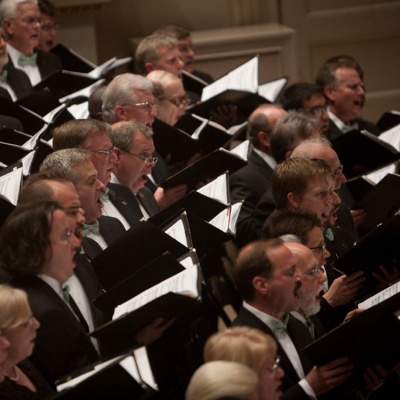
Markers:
(311, 327)
(350, 127)
(27, 60)
(104, 196)
(95, 228)
(3, 76)
(280, 326)
(329, 234)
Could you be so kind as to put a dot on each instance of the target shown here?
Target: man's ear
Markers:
(260, 285)
(293, 199)
(264, 138)
(8, 26)
(149, 66)
(117, 152)
(330, 93)
(120, 113)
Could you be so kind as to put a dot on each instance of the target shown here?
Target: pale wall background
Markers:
(292, 37)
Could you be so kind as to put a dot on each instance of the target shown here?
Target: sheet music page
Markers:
(86, 375)
(188, 260)
(79, 111)
(235, 211)
(31, 143)
(184, 283)
(242, 150)
(379, 297)
(271, 90)
(97, 72)
(244, 77)
(221, 221)
(197, 132)
(178, 232)
(143, 363)
(87, 91)
(217, 189)
(27, 162)
(10, 185)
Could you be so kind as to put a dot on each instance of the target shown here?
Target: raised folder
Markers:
(123, 378)
(362, 152)
(381, 202)
(367, 339)
(142, 243)
(170, 298)
(207, 168)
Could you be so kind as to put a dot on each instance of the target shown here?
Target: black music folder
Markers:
(198, 204)
(246, 102)
(142, 243)
(367, 339)
(362, 152)
(206, 169)
(173, 143)
(203, 235)
(168, 299)
(381, 202)
(71, 60)
(113, 379)
(381, 246)
(388, 120)
(156, 271)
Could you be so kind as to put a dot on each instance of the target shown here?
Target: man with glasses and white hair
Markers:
(21, 21)
(130, 97)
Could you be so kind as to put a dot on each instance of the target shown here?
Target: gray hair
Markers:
(123, 89)
(147, 51)
(8, 8)
(123, 133)
(289, 131)
(306, 148)
(62, 163)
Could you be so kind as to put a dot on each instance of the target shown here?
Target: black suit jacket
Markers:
(47, 63)
(127, 203)
(62, 344)
(249, 184)
(18, 80)
(334, 132)
(300, 337)
(110, 228)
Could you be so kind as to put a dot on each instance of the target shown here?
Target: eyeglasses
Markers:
(29, 322)
(106, 152)
(319, 249)
(50, 27)
(314, 271)
(316, 111)
(147, 105)
(277, 360)
(31, 20)
(147, 160)
(338, 170)
(178, 101)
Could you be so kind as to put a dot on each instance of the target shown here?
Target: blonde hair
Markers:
(14, 306)
(222, 379)
(248, 346)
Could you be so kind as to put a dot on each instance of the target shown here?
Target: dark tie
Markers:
(68, 299)
(27, 60)
(311, 327)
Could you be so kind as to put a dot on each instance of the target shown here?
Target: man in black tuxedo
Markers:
(342, 81)
(130, 97)
(94, 135)
(21, 22)
(267, 278)
(75, 165)
(134, 149)
(14, 83)
(254, 179)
